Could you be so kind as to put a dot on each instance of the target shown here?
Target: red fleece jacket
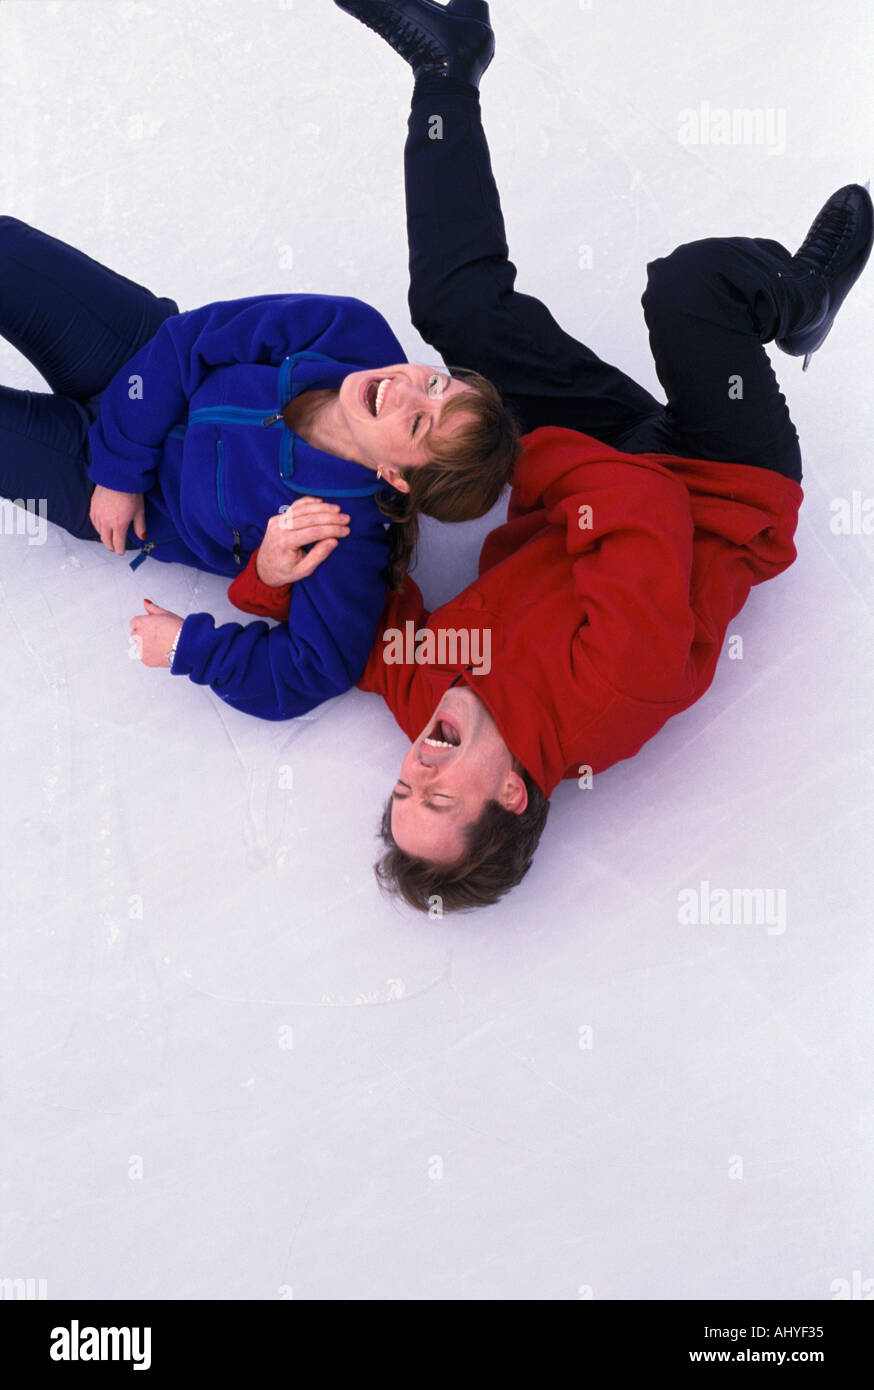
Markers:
(605, 596)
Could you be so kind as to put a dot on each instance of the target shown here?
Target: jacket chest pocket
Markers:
(237, 543)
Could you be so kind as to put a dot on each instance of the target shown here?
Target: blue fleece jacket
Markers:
(194, 422)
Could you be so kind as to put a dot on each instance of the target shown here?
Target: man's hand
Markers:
(153, 633)
(112, 513)
(282, 558)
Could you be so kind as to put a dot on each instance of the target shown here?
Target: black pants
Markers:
(709, 307)
(78, 323)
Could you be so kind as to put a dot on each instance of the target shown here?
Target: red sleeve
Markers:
(249, 593)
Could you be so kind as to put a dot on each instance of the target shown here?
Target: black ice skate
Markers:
(828, 263)
(453, 40)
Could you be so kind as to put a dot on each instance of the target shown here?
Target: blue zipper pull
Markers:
(271, 419)
(143, 555)
(237, 550)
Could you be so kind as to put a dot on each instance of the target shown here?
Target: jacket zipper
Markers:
(228, 414)
(147, 550)
(238, 549)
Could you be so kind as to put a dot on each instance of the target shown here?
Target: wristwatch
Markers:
(172, 651)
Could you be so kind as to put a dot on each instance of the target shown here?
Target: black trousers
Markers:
(709, 307)
(78, 323)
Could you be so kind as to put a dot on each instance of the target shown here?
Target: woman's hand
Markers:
(112, 513)
(153, 633)
(282, 558)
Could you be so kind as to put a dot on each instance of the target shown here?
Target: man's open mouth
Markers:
(442, 735)
(374, 394)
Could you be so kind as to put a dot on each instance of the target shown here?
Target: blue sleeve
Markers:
(281, 672)
(151, 393)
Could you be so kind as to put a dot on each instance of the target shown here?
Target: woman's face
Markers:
(393, 412)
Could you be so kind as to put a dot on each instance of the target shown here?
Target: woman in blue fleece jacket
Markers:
(181, 434)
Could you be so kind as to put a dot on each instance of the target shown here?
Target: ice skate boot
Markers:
(454, 40)
(827, 265)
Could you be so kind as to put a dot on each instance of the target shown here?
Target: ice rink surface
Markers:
(230, 1069)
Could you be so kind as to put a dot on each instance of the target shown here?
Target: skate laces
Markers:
(407, 39)
(825, 238)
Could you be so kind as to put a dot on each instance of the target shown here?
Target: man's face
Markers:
(457, 764)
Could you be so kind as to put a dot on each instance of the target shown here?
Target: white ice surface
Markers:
(191, 144)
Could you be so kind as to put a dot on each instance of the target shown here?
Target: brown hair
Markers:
(499, 847)
(464, 476)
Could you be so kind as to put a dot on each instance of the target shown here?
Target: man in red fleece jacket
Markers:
(635, 530)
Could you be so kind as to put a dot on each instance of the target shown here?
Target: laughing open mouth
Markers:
(374, 394)
(442, 736)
